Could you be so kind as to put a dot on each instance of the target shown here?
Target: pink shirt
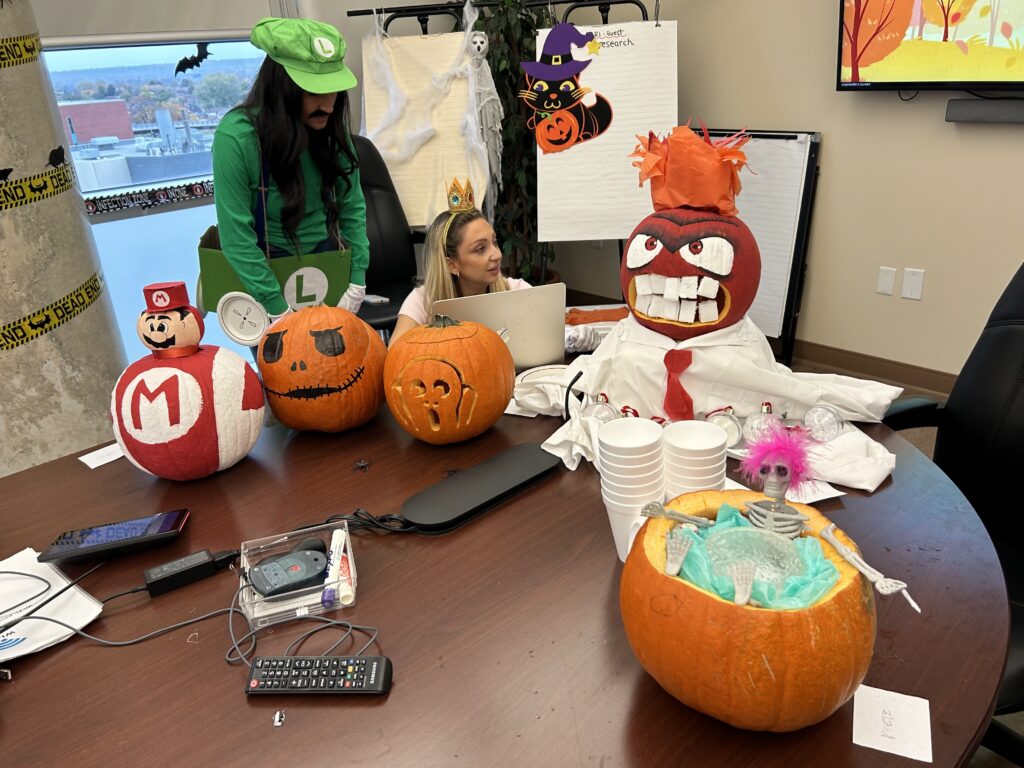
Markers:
(414, 306)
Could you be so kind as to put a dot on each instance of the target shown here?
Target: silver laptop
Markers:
(531, 321)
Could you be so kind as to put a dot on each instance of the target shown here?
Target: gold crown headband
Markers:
(460, 200)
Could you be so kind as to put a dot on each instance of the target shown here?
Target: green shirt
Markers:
(236, 174)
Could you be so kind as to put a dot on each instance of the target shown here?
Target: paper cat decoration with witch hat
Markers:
(554, 94)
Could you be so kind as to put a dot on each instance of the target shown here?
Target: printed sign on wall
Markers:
(588, 188)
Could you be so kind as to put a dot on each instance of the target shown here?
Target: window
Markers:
(139, 121)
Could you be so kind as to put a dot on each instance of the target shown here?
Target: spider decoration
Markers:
(361, 465)
(777, 461)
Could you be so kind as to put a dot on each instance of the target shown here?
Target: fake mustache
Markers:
(319, 113)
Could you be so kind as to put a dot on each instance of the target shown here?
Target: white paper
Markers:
(769, 204)
(102, 456)
(75, 607)
(591, 191)
(416, 60)
(892, 722)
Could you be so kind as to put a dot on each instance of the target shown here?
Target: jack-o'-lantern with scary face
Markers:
(687, 272)
(447, 381)
(321, 369)
(692, 266)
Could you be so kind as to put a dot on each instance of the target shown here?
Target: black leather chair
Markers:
(979, 444)
(392, 258)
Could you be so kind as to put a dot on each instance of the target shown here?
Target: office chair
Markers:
(979, 444)
(392, 258)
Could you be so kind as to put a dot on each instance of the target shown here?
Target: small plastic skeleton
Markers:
(656, 509)
(777, 460)
(677, 546)
(884, 585)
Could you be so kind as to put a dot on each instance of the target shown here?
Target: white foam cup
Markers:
(625, 526)
(695, 439)
(697, 477)
(704, 464)
(637, 500)
(656, 485)
(620, 467)
(629, 437)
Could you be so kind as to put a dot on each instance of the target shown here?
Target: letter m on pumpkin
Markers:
(169, 389)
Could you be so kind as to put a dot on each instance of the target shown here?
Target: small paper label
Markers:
(892, 722)
(102, 456)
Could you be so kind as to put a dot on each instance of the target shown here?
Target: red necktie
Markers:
(678, 404)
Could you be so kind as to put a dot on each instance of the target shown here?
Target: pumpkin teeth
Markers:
(688, 300)
(311, 393)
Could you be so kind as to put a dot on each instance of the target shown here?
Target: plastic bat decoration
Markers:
(192, 62)
(5, 173)
(56, 157)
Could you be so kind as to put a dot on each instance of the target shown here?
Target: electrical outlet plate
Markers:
(913, 284)
(886, 280)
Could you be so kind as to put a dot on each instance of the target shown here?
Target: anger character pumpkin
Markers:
(692, 266)
(321, 369)
(448, 381)
(185, 411)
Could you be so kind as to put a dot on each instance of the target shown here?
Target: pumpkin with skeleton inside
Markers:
(187, 410)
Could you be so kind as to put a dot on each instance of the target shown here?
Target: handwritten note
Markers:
(892, 722)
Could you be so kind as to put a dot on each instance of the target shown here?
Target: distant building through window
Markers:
(139, 116)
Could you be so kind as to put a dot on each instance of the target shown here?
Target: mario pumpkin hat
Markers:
(691, 171)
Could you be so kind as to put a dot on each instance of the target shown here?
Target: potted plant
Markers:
(511, 27)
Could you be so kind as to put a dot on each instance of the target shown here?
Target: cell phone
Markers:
(116, 538)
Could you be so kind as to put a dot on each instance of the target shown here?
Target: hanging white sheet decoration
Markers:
(489, 113)
(422, 120)
(590, 191)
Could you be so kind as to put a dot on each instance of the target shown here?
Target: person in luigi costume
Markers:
(286, 175)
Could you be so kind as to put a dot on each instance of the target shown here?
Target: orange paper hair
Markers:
(687, 170)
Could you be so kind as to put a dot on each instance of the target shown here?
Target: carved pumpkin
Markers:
(754, 668)
(321, 369)
(185, 411)
(447, 381)
(560, 130)
(687, 272)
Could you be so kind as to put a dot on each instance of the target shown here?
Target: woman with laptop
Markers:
(462, 258)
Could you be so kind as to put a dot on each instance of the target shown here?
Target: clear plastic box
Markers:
(311, 600)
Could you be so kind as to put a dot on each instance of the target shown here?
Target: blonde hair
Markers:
(442, 243)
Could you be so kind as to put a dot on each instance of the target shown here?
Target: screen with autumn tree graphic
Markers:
(936, 44)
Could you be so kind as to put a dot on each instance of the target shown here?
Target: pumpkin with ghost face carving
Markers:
(321, 369)
(446, 382)
(692, 266)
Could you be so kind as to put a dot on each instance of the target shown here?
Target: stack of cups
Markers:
(629, 459)
(694, 455)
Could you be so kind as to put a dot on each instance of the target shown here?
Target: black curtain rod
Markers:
(422, 13)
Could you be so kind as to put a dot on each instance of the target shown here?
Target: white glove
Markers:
(581, 338)
(275, 318)
(353, 298)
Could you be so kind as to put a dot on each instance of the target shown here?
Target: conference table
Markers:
(505, 634)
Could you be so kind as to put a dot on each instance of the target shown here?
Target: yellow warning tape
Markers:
(23, 49)
(49, 317)
(33, 188)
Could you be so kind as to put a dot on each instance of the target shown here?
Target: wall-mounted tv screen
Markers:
(931, 44)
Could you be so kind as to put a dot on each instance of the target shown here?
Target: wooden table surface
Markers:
(505, 635)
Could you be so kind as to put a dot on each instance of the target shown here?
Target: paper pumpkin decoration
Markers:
(448, 381)
(186, 411)
(321, 369)
(553, 92)
(760, 669)
(692, 266)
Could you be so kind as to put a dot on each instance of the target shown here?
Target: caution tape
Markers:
(23, 49)
(49, 317)
(31, 189)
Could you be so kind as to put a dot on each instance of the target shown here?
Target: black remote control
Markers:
(319, 674)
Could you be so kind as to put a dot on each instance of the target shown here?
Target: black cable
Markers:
(568, 392)
(132, 591)
(361, 519)
(52, 597)
(907, 98)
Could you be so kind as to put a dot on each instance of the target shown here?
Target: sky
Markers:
(97, 58)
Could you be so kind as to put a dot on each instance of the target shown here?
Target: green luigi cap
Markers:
(311, 52)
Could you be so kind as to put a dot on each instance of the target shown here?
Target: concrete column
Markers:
(59, 350)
